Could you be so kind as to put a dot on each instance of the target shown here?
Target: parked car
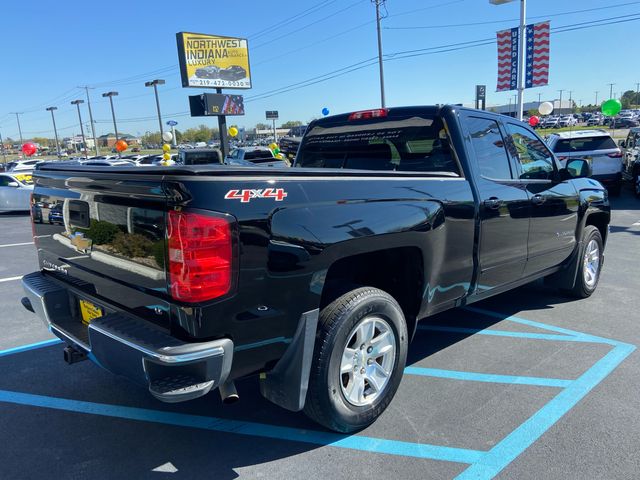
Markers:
(628, 121)
(598, 148)
(55, 214)
(107, 163)
(311, 279)
(595, 121)
(232, 73)
(15, 191)
(23, 165)
(550, 122)
(567, 121)
(262, 156)
(631, 158)
(208, 72)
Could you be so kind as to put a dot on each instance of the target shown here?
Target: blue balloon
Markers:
(325, 111)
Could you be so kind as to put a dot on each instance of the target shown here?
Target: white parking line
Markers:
(10, 279)
(16, 244)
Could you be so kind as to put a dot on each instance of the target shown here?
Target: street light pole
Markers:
(55, 130)
(17, 114)
(611, 89)
(4, 154)
(597, 92)
(380, 63)
(570, 100)
(113, 114)
(154, 84)
(84, 141)
(637, 94)
(560, 106)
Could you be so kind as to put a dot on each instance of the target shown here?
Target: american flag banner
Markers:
(537, 73)
(508, 59)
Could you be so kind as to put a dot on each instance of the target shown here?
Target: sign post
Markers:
(172, 124)
(273, 115)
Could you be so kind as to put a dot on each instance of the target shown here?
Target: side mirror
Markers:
(576, 168)
(13, 184)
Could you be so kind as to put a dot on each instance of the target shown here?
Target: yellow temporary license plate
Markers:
(89, 311)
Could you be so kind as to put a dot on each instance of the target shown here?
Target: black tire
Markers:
(326, 403)
(582, 289)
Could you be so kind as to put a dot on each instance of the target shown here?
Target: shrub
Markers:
(158, 253)
(132, 245)
(102, 232)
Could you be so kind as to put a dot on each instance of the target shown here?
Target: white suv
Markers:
(595, 146)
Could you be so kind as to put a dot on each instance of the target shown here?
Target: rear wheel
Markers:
(360, 354)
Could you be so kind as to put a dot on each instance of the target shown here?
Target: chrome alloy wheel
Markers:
(367, 361)
(591, 263)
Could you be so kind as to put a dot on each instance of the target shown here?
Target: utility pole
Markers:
(637, 94)
(380, 63)
(539, 97)
(611, 89)
(523, 57)
(84, 141)
(560, 106)
(93, 124)
(17, 114)
(110, 95)
(55, 130)
(570, 100)
(597, 92)
(4, 154)
(154, 84)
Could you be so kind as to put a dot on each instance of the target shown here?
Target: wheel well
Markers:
(397, 271)
(599, 220)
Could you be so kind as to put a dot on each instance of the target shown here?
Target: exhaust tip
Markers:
(228, 393)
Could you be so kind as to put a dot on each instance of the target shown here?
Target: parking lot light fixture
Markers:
(522, 51)
(110, 95)
(55, 130)
(84, 142)
(154, 84)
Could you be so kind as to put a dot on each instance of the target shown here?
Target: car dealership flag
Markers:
(508, 60)
(537, 59)
(537, 73)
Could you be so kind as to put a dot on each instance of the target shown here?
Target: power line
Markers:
(286, 21)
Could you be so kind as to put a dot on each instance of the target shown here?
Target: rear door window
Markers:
(586, 144)
(489, 147)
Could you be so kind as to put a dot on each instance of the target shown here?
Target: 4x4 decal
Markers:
(245, 196)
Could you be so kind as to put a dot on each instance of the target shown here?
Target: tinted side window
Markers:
(4, 180)
(488, 145)
(534, 157)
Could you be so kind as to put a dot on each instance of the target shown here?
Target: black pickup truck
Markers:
(312, 278)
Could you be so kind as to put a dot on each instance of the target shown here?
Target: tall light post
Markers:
(17, 114)
(55, 130)
(154, 84)
(522, 44)
(570, 100)
(84, 141)
(597, 92)
(560, 106)
(4, 154)
(113, 114)
(380, 63)
(611, 89)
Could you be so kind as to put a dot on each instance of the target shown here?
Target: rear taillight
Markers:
(200, 256)
(366, 114)
(615, 155)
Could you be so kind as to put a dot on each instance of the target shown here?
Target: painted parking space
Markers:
(549, 398)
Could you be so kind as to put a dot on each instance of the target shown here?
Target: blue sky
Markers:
(52, 47)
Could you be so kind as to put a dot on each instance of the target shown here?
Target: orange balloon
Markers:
(121, 145)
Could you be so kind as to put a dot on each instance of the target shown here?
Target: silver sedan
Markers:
(15, 191)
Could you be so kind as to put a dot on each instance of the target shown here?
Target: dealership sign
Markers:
(212, 61)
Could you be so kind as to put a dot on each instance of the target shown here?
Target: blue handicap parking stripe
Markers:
(31, 346)
(353, 442)
(488, 377)
(508, 449)
(506, 333)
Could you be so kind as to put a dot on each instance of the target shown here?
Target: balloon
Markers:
(167, 136)
(533, 120)
(276, 151)
(29, 149)
(279, 156)
(166, 147)
(166, 156)
(325, 111)
(611, 107)
(273, 146)
(121, 145)
(233, 131)
(545, 108)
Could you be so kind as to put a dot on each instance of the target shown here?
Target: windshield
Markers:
(400, 143)
(584, 144)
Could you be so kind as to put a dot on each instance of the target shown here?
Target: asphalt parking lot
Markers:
(529, 384)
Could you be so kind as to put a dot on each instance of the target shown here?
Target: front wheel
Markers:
(591, 259)
(359, 357)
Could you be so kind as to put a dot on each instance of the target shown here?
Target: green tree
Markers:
(151, 138)
(291, 124)
(628, 99)
(262, 126)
